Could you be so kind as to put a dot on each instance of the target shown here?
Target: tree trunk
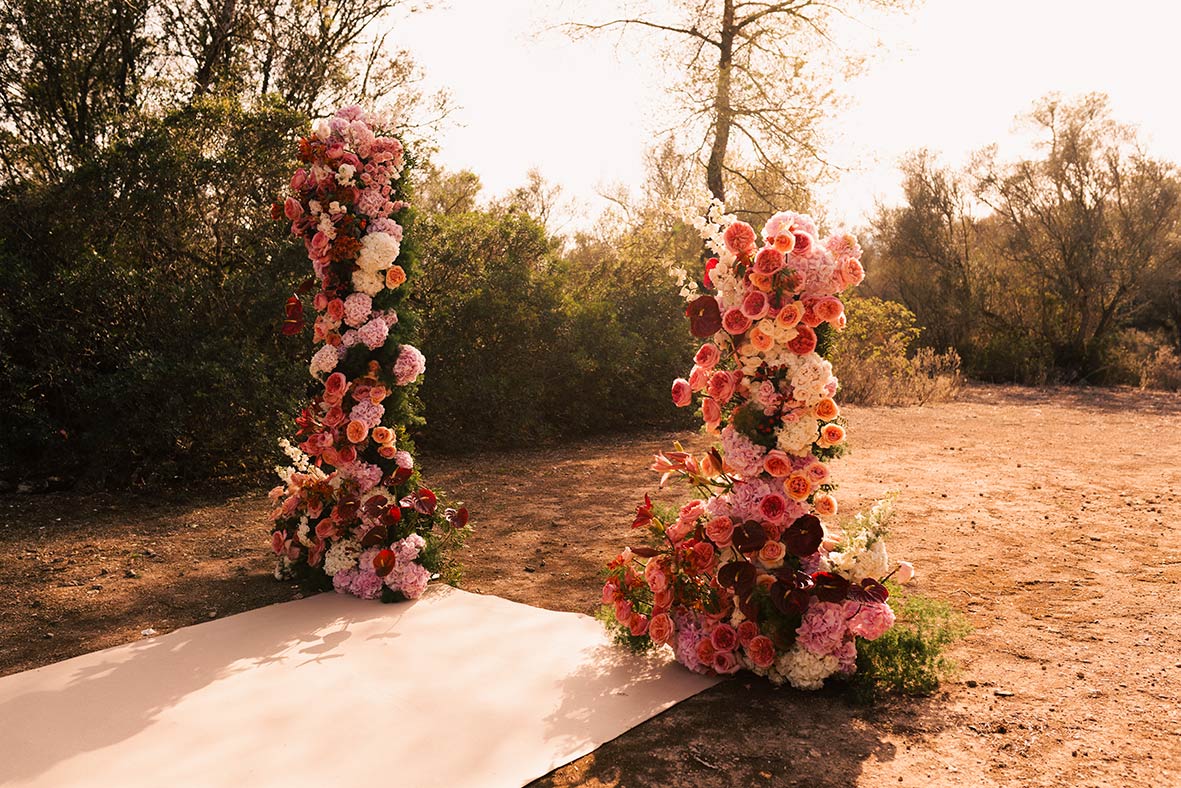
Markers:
(724, 113)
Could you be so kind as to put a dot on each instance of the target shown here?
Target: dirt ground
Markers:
(1049, 517)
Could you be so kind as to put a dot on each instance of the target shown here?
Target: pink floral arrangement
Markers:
(753, 573)
(352, 511)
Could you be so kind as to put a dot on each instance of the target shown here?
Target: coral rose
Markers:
(803, 243)
(804, 342)
(388, 451)
(761, 340)
(825, 505)
(769, 261)
(790, 314)
(706, 651)
(720, 387)
(336, 309)
(698, 378)
(638, 624)
(771, 554)
(777, 463)
(660, 629)
(725, 663)
(335, 385)
(610, 592)
(682, 392)
(740, 239)
(735, 321)
(829, 309)
(395, 276)
(761, 651)
(747, 631)
(773, 507)
(852, 274)
(383, 434)
(831, 435)
(724, 637)
(708, 356)
(755, 305)
(710, 412)
(720, 531)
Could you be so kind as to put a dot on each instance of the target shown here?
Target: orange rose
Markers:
(356, 431)
(777, 464)
(790, 314)
(825, 505)
(761, 281)
(827, 410)
(798, 486)
(784, 242)
(387, 450)
(761, 339)
(383, 434)
(394, 277)
(831, 435)
(377, 394)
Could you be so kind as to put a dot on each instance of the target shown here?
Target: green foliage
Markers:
(910, 659)
(876, 365)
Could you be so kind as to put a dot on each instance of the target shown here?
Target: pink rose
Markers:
(639, 624)
(724, 637)
(335, 385)
(682, 392)
(655, 577)
(905, 572)
(739, 238)
(773, 507)
(623, 611)
(747, 631)
(852, 273)
(769, 261)
(610, 591)
(817, 473)
(735, 321)
(761, 651)
(698, 378)
(660, 629)
(803, 243)
(754, 306)
(725, 663)
(720, 531)
(292, 208)
(708, 356)
(298, 179)
(720, 386)
(777, 463)
(662, 600)
(771, 555)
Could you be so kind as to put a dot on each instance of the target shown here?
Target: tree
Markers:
(750, 91)
(1092, 221)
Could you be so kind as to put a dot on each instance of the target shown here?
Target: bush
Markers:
(1144, 359)
(874, 362)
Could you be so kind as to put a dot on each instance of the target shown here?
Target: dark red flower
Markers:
(384, 562)
(458, 518)
(710, 265)
(705, 319)
(643, 513)
(294, 321)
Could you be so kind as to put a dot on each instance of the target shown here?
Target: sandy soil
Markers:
(1049, 517)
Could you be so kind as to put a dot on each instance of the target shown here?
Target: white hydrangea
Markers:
(378, 251)
(803, 669)
(325, 360)
(797, 437)
(322, 129)
(341, 555)
(368, 282)
(861, 550)
(345, 173)
(810, 378)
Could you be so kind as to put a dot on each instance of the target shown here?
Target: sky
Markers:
(950, 76)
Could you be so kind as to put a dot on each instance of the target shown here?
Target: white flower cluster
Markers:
(810, 379)
(342, 555)
(803, 669)
(796, 437)
(861, 550)
(378, 252)
(325, 360)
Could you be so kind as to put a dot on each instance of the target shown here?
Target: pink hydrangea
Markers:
(387, 226)
(367, 585)
(741, 454)
(409, 548)
(689, 634)
(368, 413)
(403, 460)
(374, 334)
(409, 366)
(342, 581)
(869, 620)
(847, 656)
(823, 628)
(411, 579)
(357, 308)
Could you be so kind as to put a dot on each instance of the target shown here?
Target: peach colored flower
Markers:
(387, 450)
(826, 409)
(698, 378)
(720, 531)
(395, 276)
(852, 273)
(783, 243)
(777, 463)
(735, 321)
(356, 431)
(682, 392)
(761, 340)
(660, 629)
(798, 487)
(771, 555)
(817, 473)
(831, 435)
(765, 581)
(761, 282)
(790, 314)
(720, 387)
(383, 434)
(825, 505)
(828, 309)
(740, 238)
(638, 624)
(708, 356)
(761, 651)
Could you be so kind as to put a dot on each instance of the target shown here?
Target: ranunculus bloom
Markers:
(825, 505)
(735, 321)
(769, 261)
(826, 409)
(804, 342)
(798, 487)
(660, 629)
(761, 651)
(711, 414)
(828, 309)
(682, 392)
(754, 305)
(777, 463)
(720, 387)
(720, 531)
(724, 637)
(740, 238)
(708, 356)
